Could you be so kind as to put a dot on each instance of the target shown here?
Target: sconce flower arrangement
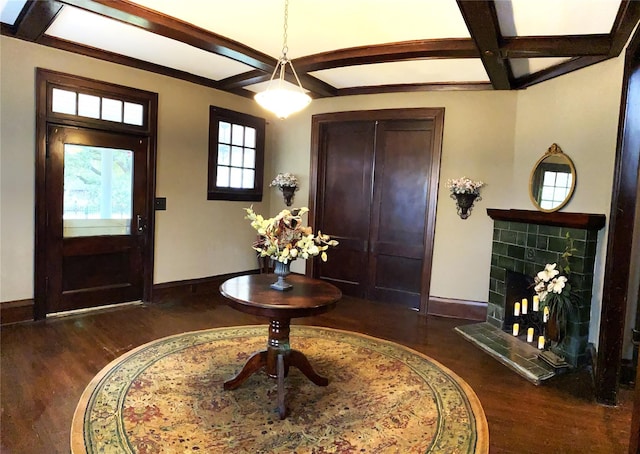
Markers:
(465, 192)
(288, 184)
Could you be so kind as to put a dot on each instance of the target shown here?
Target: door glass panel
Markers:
(63, 101)
(88, 106)
(97, 191)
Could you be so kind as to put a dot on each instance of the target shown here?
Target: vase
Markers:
(282, 271)
(464, 203)
(287, 193)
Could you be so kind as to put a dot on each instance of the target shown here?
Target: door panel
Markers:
(345, 208)
(374, 179)
(96, 193)
(402, 175)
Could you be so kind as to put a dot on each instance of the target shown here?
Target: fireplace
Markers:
(523, 242)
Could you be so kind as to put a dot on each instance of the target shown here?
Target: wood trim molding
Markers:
(559, 219)
(455, 308)
(16, 311)
(179, 289)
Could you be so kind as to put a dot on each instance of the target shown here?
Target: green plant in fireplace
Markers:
(555, 293)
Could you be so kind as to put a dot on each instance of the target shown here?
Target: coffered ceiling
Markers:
(338, 47)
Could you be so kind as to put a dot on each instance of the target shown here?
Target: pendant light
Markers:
(278, 98)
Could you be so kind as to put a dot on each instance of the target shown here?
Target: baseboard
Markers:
(176, 289)
(16, 311)
(455, 308)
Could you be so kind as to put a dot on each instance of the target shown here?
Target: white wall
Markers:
(194, 237)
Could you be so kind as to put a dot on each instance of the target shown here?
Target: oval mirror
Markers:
(552, 181)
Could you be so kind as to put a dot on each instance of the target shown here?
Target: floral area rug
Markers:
(167, 397)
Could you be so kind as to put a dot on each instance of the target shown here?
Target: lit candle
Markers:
(516, 329)
(516, 309)
(545, 317)
(541, 342)
(525, 303)
(530, 335)
(536, 303)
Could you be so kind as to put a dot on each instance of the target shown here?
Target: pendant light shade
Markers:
(278, 97)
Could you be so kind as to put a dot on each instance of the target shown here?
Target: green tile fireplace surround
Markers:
(524, 241)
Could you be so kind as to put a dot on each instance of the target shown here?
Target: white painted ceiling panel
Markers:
(10, 9)
(406, 72)
(318, 26)
(524, 66)
(96, 31)
(556, 17)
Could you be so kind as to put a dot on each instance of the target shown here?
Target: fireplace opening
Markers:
(517, 287)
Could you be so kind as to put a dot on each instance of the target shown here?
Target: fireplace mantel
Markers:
(559, 219)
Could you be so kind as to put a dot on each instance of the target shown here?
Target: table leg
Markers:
(282, 409)
(299, 360)
(254, 364)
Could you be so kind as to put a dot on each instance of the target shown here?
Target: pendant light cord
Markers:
(285, 48)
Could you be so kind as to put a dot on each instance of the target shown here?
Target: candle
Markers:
(536, 303)
(545, 317)
(541, 342)
(530, 335)
(516, 309)
(516, 329)
(525, 303)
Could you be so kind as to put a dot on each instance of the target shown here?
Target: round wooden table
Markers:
(252, 294)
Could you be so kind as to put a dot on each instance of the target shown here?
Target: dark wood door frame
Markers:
(619, 261)
(434, 114)
(45, 80)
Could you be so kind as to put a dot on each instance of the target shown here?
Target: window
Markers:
(90, 106)
(236, 155)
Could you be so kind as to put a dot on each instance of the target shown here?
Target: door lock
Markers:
(142, 224)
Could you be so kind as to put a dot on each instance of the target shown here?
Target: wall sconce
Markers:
(288, 184)
(465, 192)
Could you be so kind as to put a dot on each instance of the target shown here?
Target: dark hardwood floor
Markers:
(46, 365)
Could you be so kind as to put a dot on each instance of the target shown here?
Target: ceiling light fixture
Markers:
(277, 98)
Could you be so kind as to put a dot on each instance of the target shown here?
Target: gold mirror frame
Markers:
(553, 160)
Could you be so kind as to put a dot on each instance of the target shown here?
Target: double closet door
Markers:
(375, 193)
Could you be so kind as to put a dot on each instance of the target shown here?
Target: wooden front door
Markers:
(96, 193)
(376, 194)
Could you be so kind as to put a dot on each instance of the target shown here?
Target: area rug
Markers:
(167, 397)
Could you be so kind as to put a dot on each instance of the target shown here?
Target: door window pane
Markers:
(88, 106)
(97, 191)
(133, 113)
(111, 110)
(63, 101)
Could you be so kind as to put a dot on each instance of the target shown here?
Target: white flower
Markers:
(557, 284)
(548, 273)
(285, 179)
(464, 185)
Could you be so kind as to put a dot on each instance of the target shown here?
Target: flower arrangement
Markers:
(285, 180)
(284, 238)
(554, 290)
(464, 185)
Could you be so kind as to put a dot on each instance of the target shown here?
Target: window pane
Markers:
(549, 179)
(112, 110)
(547, 193)
(248, 178)
(249, 137)
(63, 101)
(133, 114)
(88, 106)
(97, 191)
(236, 178)
(237, 135)
(249, 158)
(559, 194)
(561, 179)
(222, 180)
(236, 156)
(224, 153)
(224, 132)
